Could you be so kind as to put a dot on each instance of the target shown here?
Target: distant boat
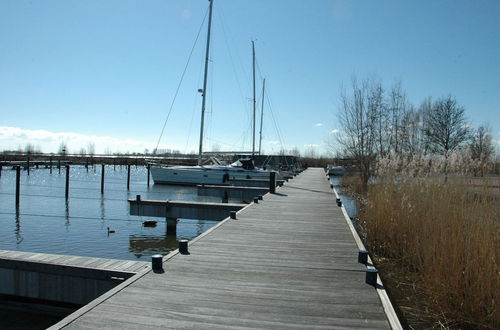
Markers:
(336, 170)
(208, 174)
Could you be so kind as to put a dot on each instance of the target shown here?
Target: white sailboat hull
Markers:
(194, 175)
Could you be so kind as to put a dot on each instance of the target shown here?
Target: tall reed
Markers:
(446, 236)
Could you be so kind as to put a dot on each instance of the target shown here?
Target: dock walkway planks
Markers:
(288, 262)
(114, 265)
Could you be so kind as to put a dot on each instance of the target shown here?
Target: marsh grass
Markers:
(438, 245)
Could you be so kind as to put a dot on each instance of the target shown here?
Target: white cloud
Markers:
(11, 138)
(318, 124)
(335, 131)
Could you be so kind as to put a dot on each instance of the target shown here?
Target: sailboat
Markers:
(209, 174)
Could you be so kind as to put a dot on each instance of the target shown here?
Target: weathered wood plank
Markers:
(288, 262)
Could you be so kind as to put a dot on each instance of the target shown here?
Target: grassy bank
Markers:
(436, 245)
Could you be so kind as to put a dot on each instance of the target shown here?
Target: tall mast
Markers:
(253, 60)
(262, 114)
(204, 91)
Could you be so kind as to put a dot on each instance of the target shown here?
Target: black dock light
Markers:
(371, 276)
(260, 197)
(138, 198)
(183, 246)
(363, 257)
(232, 214)
(256, 200)
(339, 202)
(157, 263)
(331, 185)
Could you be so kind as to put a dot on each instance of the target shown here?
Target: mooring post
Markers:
(87, 164)
(157, 263)
(67, 183)
(102, 179)
(232, 214)
(149, 173)
(128, 177)
(183, 246)
(1, 166)
(371, 276)
(114, 164)
(363, 257)
(272, 182)
(18, 184)
(59, 165)
(50, 164)
(28, 165)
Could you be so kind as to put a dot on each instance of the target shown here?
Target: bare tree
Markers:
(359, 116)
(445, 127)
(481, 147)
(91, 148)
(63, 149)
(397, 107)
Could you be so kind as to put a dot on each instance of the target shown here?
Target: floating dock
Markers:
(286, 262)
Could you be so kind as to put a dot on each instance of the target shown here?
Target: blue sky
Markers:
(105, 72)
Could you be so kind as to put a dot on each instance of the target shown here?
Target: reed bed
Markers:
(437, 242)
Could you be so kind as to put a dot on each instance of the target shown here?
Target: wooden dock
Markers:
(47, 260)
(288, 262)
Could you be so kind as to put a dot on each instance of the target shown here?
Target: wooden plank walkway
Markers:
(113, 265)
(288, 262)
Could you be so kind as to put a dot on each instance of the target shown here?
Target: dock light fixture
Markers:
(256, 200)
(260, 197)
(232, 214)
(339, 202)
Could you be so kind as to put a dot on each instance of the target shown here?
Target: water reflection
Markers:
(66, 215)
(51, 225)
(17, 229)
(147, 245)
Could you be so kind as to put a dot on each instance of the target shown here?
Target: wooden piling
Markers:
(59, 165)
(102, 179)
(149, 173)
(50, 164)
(1, 170)
(18, 184)
(272, 182)
(67, 183)
(28, 165)
(128, 177)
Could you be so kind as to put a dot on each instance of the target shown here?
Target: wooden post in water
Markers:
(114, 164)
(149, 172)
(50, 164)
(1, 166)
(28, 165)
(59, 165)
(18, 184)
(128, 177)
(87, 164)
(102, 179)
(66, 194)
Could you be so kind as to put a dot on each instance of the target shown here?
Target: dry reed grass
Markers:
(442, 239)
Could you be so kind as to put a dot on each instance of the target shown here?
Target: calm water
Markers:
(46, 223)
(350, 204)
